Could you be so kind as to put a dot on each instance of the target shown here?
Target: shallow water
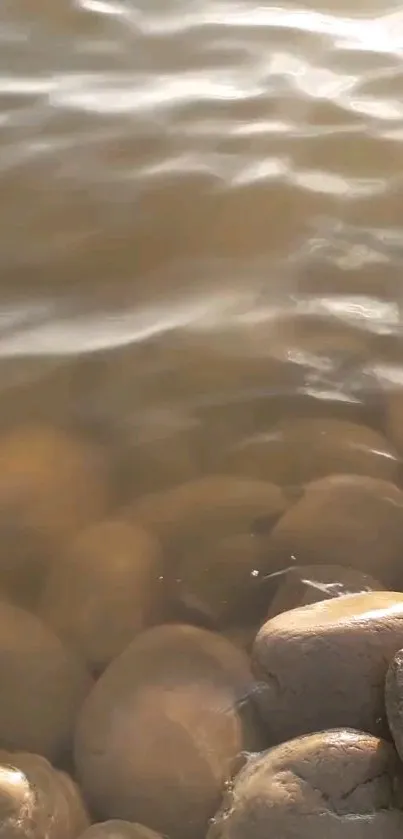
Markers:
(166, 166)
(201, 263)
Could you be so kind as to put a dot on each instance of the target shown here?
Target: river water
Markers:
(177, 174)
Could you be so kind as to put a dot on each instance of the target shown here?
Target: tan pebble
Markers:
(17, 805)
(220, 502)
(161, 732)
(324, 665)
(45, 802)
(340, 784)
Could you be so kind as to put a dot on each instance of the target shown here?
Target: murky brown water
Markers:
(166, 147)
(200, 220)
(176, 175)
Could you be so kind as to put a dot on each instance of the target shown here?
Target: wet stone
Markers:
(38, 801)
(214, 533)
(346, 520)
(161, 732)
(324, 665)
(43, 683)
(104, 590)
(336, 784)
(222, 504)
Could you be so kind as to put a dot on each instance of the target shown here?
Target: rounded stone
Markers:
(324, 665)
(344, 520)
(295, 451)
(44, 802)
(304, 584)
(103, 590)
(161, 732)
(221, 504)
(214, 533)
(43, 684)
(17, 805)
(333, 784)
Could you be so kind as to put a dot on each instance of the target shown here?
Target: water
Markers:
(177, 176)
(164, 148)
(201, 260)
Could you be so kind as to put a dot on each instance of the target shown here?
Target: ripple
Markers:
(143, 141)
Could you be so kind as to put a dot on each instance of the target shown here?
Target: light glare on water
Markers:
(183, 151)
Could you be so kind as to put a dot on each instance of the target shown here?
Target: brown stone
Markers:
(214, 532)
(17, 805)
(161, 732)
(43, 684)
(38, 801)
(104, 590)
(222, 504)
(344, 520)
(340, 784)
(324, 665)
